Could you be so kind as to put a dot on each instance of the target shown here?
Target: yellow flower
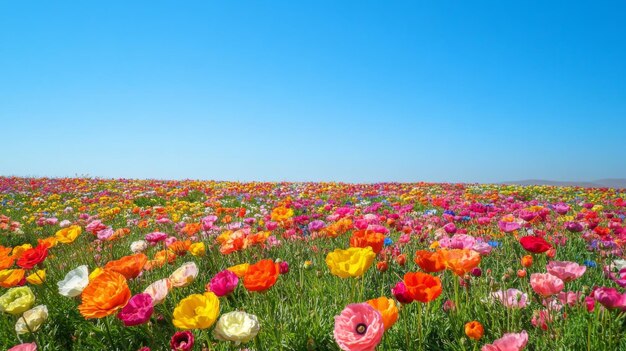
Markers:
(69, 234)
(197, 311)
(19, 250)
(434, 245)
(17, 300)
(238, 327)
(10, 277)
(352, 262)
(280, 214)
(31, 320)
(96, 272)
(37, 278)
(240, 270)
(197, 249)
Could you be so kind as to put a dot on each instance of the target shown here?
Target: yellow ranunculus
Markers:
(197, 249)
(37, 278)
(96, 272)
(238, 327)
(69, 234)
(240, 270)
(352, 262)
(17, 300)
(197, 311)
(31, 320)
(19, 250)
(10, 277)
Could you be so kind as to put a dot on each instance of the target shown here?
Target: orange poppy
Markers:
(192, 228)
(261, 276)
(104, 295)
(387, 308)
(128, 266)
(11, 277)
(474, 330)
(160, 258)
(180, 248)
(422, 287)
(429, 262)
(460, 261)
(365, 238)
(6, 260)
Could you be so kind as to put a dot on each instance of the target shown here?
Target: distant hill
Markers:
(600, 183)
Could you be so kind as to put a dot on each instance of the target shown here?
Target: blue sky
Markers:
(358, 91)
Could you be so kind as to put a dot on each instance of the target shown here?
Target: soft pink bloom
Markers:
(155, 237)
(509, 342)
(316, 225)
(508, 227)
(610, 298)
(482, 248)
(223, 283)
(541, 319)
(158, 290)
(561, 208)
(401, 293)
(511, 298)
(450, 228)
(570, 298)
(65, 223)
(545, 284)
(95, 226)
(565, 270)
(271, 225)
(24, 347)
(105, 233)
(137, 311)
(170, 240)
(359, 327)
(184, 275)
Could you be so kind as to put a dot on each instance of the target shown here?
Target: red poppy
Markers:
(32, 257)
(534, 244)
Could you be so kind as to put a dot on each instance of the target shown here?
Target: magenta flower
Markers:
(610, 298)
(401, 293)
(508, 227)
(283, 267)
(223, 283)
(359, 327)
(182, 341)
(155, 237)
(566, 271)
(509, 342)
(545, 284)
(137, 311)
(316, 225)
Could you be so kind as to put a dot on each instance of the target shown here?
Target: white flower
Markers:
(75, 281)
(237, 327)
(138, 246)
(184, 275)
(158, 290)
(34, 317)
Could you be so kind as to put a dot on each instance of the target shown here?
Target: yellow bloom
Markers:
(69, 234)
(197, 249)
(31, 320)
(19, 250)
(17, 300)
(240, 270)
(352, 262)
(10, 277)
(96, 272)
(37, 278)
(280, 214)
(197, 311)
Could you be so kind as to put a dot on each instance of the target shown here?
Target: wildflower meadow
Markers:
(122, 264)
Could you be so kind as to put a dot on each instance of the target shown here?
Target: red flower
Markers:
(535, 244)
(32, 257)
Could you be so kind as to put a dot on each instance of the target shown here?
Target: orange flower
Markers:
(47, 242)
(365, 238)
(6, 260)
(474, 330)
(527, 261)
(280, 214)
(128, 266)
(192, 228)
(261, 275)
(180, 248)
(120, 233)
(460, 261)
(11, 277)
(104, 296)
(387, 308)
(382, 266)
(429, 262)
(422, 287)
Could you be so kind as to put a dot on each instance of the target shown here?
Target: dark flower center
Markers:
(361, 328)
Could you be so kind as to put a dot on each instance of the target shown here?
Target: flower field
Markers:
(92, 264)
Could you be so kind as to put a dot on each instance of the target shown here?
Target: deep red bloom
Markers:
(182, 341)
(32, 257)
(535, 244)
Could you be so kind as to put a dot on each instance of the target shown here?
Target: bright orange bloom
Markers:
(128, 266)
(422, 287)
(460, 261)
(474, 330)
(365, 238)
(340, 227)
(11, 277)
(104, 296)
(387, 308)
(527, 261)
(258, 238)
(6, 260)
(280, 214)
(429, 262)
(261, 275)
(47, 242)
(382, 266)
(120, 233)
(192, 228)
(180, 247)
(160, 258)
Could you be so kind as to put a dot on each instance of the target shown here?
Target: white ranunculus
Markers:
(138, 246)
(238, 327)
(35, 317)
(75, 281)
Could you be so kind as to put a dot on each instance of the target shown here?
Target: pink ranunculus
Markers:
(450, 228)
(65, 223)
(105, 233)
(137, 311)
(508, 227)
(462, 241)
(482, 248)
(565, 270)
(359, 327)
(155, 237)
(95, 226)
(24, 347)
(182, 341)
(377, 228)
(316, 225)
(570, 298)
(561, 208)
(483, 220)
(511, 298)
(271, 225)
(401, 293)
(546, 284)
(223, 283)
(283, 267)
(610, 298)
(508, 342)
(158, 290)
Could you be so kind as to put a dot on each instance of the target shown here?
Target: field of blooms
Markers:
(91, 264)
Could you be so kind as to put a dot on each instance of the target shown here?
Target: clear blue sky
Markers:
(318, 90)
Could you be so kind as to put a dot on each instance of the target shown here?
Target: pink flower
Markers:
(450, 228)
(509, 342)
(182, 341)
(401, 293)
(223, 283)
(283, 267)
(508, 227)
(545, 284)
(24, 347)
(137, 311)
(561, 208)
(155, 237)
(541, 319)
(511, 298)
(482, 248)
(316, 225)
(566, 271)
(158, 290)
(610, 298)
(105, 233)
(95, 226)
(569, 298)
(359, 327)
